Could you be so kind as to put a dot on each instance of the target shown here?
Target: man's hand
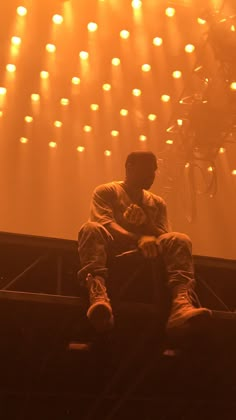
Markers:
(135, 215)
(148, 246)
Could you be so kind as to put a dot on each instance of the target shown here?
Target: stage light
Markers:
(23, 140)
(28, 119)
(210, 169)
(83, 55)
(21, 11)
(157, 41)
(115, 61)
(136, 4)
(142, 137)
(16, 40)
(64, 101)
(57, 19)
(107, 153)
(170, 11)
(75, 80)
(189, 48)
(106, 87)
(136, 92)
(233, 172)
(80, 149)
(146, 67)
(57, 124)
(44, 74)
(115, 133)
(124, 34)
(152, 117)
(169, 141)
(94, 107)
(179, 122)
(92, 27)
(87, 128)
(124, 112)
(51, 48)
(52, 144)
(35, 97)
(222, 150)
(11, 68)
(165, 98)
(201, 21)
(233, 86)
(177, 74)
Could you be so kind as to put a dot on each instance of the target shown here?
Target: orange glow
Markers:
(115, 61)
(1, 114)
(84, 55)
(165, 98)
(189, 48)
(64, 101)
(177, 74)
(152, 117)
(136, 92)
(124, 34)
(106, 87)
(146, 67)
(233, 86)
(210, 169)
(51, 48)
(124, 112)
(80, 149)
(234, 172)
(75, 80)
(169, 142)
(28, 119)
(23, 140)
(35, 97)
(233, 29)
(52, 144)
(21, 11)
(201, 21)
(170, 11)
(57, 19)
(107, 153)
(16, 40)
(180, 122)
(157, 41)
(222, 150)
(11, 68)
(92, 26)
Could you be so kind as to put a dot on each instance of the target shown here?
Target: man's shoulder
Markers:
(109, 187)
(152, 198)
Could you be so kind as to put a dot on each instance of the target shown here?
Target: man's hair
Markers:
(140, 157)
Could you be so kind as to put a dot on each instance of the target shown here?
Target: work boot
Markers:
(184, 316)
(100, 311)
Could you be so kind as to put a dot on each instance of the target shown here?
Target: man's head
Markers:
(140, 169)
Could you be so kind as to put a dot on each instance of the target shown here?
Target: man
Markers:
(124, 216)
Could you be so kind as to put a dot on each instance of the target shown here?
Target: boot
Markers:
(184, 316)
(100, 311)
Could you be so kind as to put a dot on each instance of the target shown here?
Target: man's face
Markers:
(143, 174)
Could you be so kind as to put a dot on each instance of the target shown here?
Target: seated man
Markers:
(124, 216)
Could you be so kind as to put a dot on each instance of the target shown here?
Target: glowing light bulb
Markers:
(115, 133)
(233, 172)
(75, 80)
(169, 142)
(94, 107)
(23, 140)
(28, 119)
(124, 34)
(177, 74)
(21, 11)
(165, 98)
(87, 128)
(35, 97)
(57, 19)
(51, 48)
(115, 61)
(142, 137)
(92, 26)
(152, 117)
(44, 74)
(16, 40)
(11, 68)
(136, 92)
(170, 11)
(107, 153)
(80, 149)
(124, 112)
(57, 124)
(136, 4)
(180, 122)
(106, 87)
(222, 150)
(233, 86)
(52, 144)
(189, 48)
(157, 41)
(83, 55)
(201, 21)
(64, 101)
(146, 67)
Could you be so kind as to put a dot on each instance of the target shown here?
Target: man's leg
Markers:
(93, 243)
(176, 251)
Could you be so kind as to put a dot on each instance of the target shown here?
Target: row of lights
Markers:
(84, 55)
